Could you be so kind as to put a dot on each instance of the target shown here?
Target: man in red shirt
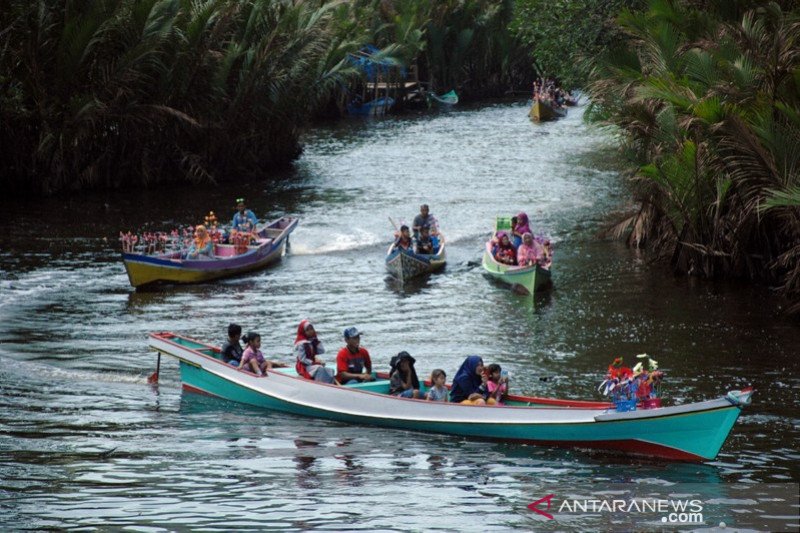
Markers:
(352, 362)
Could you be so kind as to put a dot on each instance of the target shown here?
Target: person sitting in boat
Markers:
(307, 348)
(424, 241)
(438, 392)
(244, 220)
(424, 219)
(547, 257)
(530, 252)
(503, 251)
(403, 381)
(469, 383)
(353, 363)
(252, 358)
(521, 228)
(496, 385)
(404, 240)
(202, 245)
(231, 352)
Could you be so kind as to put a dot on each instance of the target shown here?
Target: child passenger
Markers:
(496, 384)
(232, 350)
(403, 380)
(438, 392)
(252, 359)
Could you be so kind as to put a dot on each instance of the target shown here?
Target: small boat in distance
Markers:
(406, 264)
(689, 432)
(373, 108)
(149, 269)
(447, 99)
(542, 111)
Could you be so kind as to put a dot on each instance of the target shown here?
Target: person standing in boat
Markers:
(232, 351)
(353, 363)
(202, 245)
(307, 348)
(469, 383)
(244, 220)
(424, 219)
(403, 380)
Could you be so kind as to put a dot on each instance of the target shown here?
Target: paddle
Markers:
(153, 378)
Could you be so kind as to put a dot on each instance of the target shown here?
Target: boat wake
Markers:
(35, 283)
(49, 373)
(338, 243)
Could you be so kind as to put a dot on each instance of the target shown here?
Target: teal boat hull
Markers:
(692, 432)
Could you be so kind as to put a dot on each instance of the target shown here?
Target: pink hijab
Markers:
(522, 224)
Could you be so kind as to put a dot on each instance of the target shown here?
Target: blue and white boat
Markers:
(406, 264)
(690, 432)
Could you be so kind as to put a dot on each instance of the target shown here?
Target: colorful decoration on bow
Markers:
(641, 383)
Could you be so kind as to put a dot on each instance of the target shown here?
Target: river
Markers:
(87, 443)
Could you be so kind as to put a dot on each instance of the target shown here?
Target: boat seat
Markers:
(380, 386)
(224, 250)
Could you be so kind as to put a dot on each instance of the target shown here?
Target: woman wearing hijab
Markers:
(307, 348)
(530, 252)
(202, 244)
(403, 381)
(520, 229)
(468, 384)
(503, 251)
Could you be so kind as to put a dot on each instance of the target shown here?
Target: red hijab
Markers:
(301, 331)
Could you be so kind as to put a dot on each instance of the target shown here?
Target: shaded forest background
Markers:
(704, 96)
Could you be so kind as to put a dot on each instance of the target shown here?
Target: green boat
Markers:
(522, 279)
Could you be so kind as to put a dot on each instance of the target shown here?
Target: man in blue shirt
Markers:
(244, 219)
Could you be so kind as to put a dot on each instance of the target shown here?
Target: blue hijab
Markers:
(466, 380)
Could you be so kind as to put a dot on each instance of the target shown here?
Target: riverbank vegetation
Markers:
(707, 96)
(122, 93)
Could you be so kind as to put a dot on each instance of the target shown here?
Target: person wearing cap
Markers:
(353, 363)
(403, 381)
(232, 351)
(244, 219)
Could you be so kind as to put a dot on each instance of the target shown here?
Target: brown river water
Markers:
(86, 443)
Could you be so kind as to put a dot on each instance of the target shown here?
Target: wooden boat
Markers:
(525, 279)
(690, 432)
(374, 108)
(406, 264)
(543, 111)
(146, 270)
(447, 99)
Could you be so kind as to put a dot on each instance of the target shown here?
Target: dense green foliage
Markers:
(105, 93)
(564, 36)
(707, 95)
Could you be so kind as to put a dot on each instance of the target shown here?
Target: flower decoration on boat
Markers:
(626, 387)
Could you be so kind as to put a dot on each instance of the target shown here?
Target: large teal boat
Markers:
(690, 432)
